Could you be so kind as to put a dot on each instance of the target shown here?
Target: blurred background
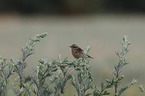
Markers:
(98, 23)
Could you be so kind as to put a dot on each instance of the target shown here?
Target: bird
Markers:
(77, 52)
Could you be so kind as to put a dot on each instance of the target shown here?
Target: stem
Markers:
(5, 82)
(79, 93)
(41, 81)
(101, 92)
(4, 78)
(116, 85)
(64, 82)
(21, 74)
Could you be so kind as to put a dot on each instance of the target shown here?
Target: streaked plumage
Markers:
(77, 52)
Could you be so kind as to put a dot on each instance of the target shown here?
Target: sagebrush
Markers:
(51, 78)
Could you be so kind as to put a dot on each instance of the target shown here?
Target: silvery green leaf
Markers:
(141, 88)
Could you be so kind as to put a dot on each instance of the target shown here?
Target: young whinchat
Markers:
(77, 52)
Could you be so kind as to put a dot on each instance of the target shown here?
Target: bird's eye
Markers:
(76, 52)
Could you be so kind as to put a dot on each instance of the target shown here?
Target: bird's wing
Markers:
(79, 49)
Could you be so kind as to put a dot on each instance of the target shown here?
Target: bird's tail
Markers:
(90, 56)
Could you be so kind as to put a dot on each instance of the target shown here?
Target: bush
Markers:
(51, 78)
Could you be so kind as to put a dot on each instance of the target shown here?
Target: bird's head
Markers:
(74, 46)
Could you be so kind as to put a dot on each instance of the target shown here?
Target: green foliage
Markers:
(43, 71)
(83, 81)
(103, 90)
(6, 70)
(51, 78)
(126, 87)
(141, 89)
(20, 64)
(118, 68)
(117, 72)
